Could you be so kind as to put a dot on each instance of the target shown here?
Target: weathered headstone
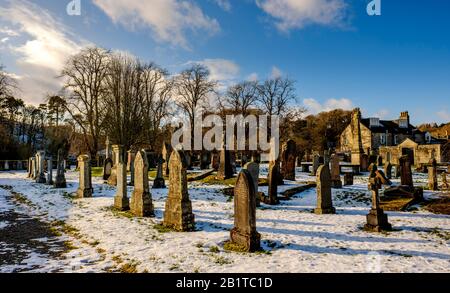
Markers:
(85, 184)
(273, 178)
(215, 161)
(40, 158)
(432, 175)
(405, 172)
(348, 179)
(324, 196)
(316, 164)
(34, 168)
(357, 145)
(159, 182)
(225, 167)
(335, 172)
(253, 170)
(388, 170)
(288, 157)
(60, 180)
(121, 200)
(141, 199)
(377, 220)
(166, 152)
(107, 168)
(178, 209)
(30, 168)
(49, 171)
(244, 234)
(383, 179)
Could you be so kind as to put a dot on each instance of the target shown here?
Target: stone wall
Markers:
(422, 153)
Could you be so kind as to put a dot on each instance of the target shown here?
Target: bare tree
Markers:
(240, 97)
(85, 74)
(193, 87)
(276, 94)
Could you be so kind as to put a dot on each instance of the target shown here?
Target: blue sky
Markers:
(339, 56)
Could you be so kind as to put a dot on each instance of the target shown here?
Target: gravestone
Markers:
(432, 175)
(316, 164)
(405, 172)
(60, 180)
(34, 169)
(288, 157)
(40, 159)
(244, 234)
(6, 166)
(121, 200)
(364, 162)
(159, 182)
(107, 168)
(116, 151)
(225, 166)
(377, 220)
(324, 198)
(166, 152)
(326, 157)
(348, 179)
(85, 184)
(444, 181)
(273, 177)
(388, 170)
(335, 172)
(215, 161)
(30, 168)
(141, 199)
(49, 171)
(178, 209)
(383, 179)
(107, 149)
(205, 160)
(131, 155)
(253, 170)
(380, 161)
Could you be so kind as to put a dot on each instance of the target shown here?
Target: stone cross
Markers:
(432, 176)
(141, 200)
(335, 172)
(244, 234)
(178, 209)
(324, 196)
(388, 170)
(274, 174)
(49, 171)
(60, 180)
(40, 159)
(405, 172)
(159, 181)
(121, 200)
(288, 157)
(253, 170)
(85, 185)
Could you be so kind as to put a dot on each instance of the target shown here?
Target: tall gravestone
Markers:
(159, 181)
(335, 172)
(30, 168)
(141, 200)
(405, 172)
(315, 164)
(116, 151)
(377, 220)
(244, 234)
(121, 200)
(49, 171)
(274, 174)
(388, 170)
(253, 170)
(107, 149)
(205, 160)
(178, 209)
(432, 176)
(130, 162)
(166, 152)
(40, 158)
(288, 158)
(60, 180)
(225, 166)
(357, 145)
(34, 168)
(324, 196)
(85, 184)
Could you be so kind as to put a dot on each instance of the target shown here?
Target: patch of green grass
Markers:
(440, 233)
(174, 267)
(214, 249)
(69, 246)
(97, 171)
(230, 246)
(211, 180)
(162, 229)
(118, 213)
(220, 260)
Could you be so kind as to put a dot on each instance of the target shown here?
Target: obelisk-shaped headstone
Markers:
(225, 167)
(85, 184)
(121, 200)
(324, 196)
(141, 199)
(116, 151)
(315, 164)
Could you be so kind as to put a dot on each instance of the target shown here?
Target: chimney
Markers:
(403, 122)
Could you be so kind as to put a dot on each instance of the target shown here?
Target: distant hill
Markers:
(441, 131)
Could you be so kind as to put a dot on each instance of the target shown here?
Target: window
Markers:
(395, 139)
(383, 139)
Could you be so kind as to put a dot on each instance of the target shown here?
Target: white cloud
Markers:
(296, 14)
(4, 40)
(253, 77)
(444, 115)
(169, 20)
(276, 72)
(224, 4)
(221, 70)
(315, 107)
(9, 32)
(42, 50)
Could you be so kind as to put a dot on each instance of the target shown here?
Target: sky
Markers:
(339, 56)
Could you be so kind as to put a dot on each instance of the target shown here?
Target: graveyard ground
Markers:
(46, 230)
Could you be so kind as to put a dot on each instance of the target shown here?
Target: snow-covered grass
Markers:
(294, 239)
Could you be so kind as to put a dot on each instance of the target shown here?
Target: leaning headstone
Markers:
(40, 158)
(288, 158)
(274, 174)
(121, 200)
(432, 176)
(348, 179)
(377, 220)
(85, 185)
(324, 199)
(178, 209)
(316, 164)
(166, 152)
(159, 182)
(335, 172)
(405, 172)
(107, 168)
(244, 234)
(141, 200)
(49, 171)
(253, 170)
(388, 170)
(60, 180)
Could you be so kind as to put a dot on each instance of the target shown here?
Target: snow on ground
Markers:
(294, 239)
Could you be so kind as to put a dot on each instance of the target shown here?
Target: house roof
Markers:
(390, 126)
